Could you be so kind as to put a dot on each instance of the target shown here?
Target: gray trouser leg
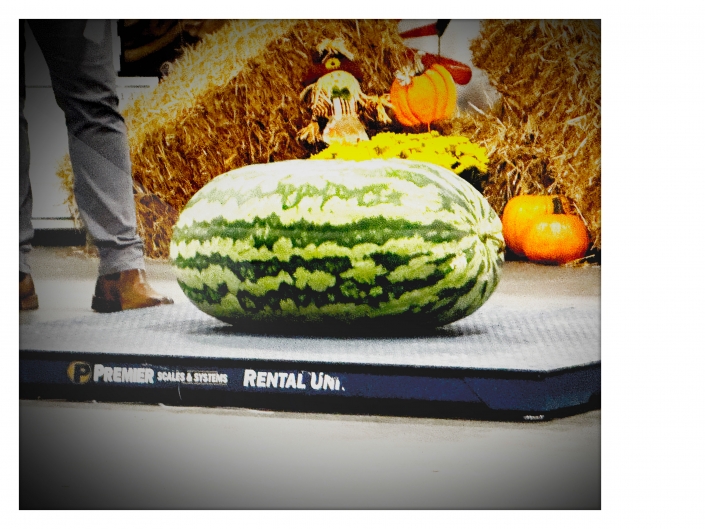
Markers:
(79, 56)
(26, 229)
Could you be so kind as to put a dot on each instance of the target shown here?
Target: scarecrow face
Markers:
(339, 84)
(333, 82)
(337, 96)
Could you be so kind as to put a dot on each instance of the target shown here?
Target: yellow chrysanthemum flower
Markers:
(452, 152)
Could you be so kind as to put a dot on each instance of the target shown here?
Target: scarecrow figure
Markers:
(334, 85)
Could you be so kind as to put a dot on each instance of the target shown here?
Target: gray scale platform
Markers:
(530, 361)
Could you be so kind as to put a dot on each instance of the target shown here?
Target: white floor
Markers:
(94, 456)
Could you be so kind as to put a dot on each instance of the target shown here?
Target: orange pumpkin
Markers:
(427, 97)
(555, 239)
(520, 212)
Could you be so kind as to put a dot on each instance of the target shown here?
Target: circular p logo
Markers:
(79, 372)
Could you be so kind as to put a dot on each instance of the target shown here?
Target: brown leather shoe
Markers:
(28, 297)
(125, 290)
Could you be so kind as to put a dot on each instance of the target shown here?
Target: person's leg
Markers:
(79, 56)
(28, 297)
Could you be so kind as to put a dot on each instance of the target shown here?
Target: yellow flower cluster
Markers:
(452, 152)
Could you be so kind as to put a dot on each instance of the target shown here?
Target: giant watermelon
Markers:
(328, 241)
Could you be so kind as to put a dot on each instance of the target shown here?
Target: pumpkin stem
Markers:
(558, 206)
(404, 75)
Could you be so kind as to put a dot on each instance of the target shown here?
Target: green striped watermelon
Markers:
(392, 241)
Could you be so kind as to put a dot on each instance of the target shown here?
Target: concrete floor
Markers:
(98, 455)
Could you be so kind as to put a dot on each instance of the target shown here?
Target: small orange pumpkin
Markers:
(425, 98)
(555, 239)
(520, 212)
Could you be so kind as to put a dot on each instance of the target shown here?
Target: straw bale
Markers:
(546, 136)
(233, 100)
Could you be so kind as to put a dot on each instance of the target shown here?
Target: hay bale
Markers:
(546, 136)
(233, 100)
